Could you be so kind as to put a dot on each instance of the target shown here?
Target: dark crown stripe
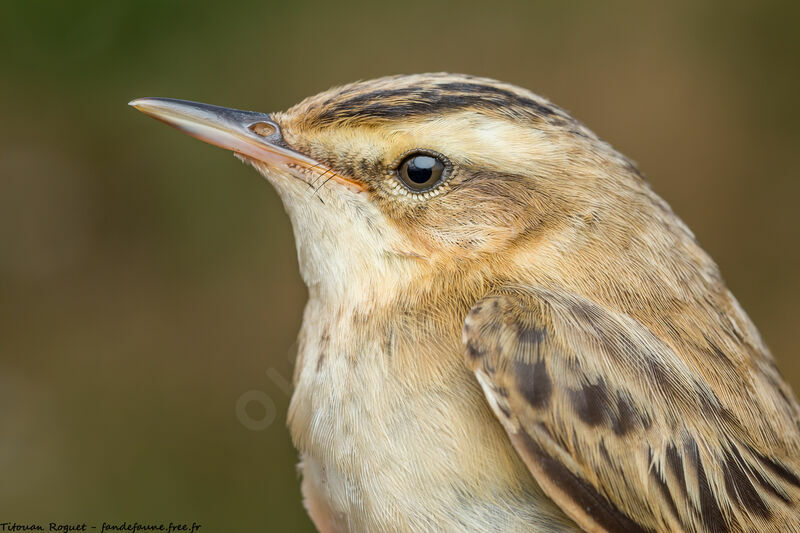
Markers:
(401, 102)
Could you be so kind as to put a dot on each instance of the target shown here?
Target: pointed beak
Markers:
(248, 133)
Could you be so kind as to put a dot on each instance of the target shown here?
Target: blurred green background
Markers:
(148, 283)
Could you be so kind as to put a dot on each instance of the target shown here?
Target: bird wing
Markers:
(618, 429)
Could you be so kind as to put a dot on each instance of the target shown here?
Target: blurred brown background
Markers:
(148, 282)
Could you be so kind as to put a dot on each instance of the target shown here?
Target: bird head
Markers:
(405, 179)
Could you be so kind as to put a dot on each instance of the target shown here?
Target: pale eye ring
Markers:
(422, 170)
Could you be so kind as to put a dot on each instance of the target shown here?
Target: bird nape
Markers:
(507, 329)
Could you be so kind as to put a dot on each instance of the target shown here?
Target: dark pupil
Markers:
(420, 168)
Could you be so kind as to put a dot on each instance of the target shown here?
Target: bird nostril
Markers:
(264, 129)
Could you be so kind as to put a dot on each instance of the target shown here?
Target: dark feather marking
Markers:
(647, 422)
(320, 361)
(739, 486)
(324, 340)
(368, 167)
(474, 351)
(715, 349)
(541, 428)
(626, 417)
(534, 336)
(591, 403)
(662, 377)
(341, 107)
(413, 101)
(710, 513)
(777, 468)
(533, 383)
(606, 457)
(388, 343)
(585, 496)
(675, 465)
(719, 355)
(585, 312)
(729, 417)
(504, 410)
(510, 97)
(558, 438)
(770, 487)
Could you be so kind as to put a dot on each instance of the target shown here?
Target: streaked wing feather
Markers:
(617, 428)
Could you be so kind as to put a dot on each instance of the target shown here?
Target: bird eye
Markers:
(421, 172)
